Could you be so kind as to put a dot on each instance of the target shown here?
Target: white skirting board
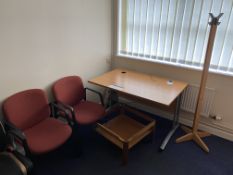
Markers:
(186, 119)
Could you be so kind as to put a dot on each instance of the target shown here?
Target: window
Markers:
(176, 32)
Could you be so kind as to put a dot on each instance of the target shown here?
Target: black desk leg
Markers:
(174, 126)
(112, 99)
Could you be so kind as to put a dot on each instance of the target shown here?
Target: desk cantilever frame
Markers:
(175, 124)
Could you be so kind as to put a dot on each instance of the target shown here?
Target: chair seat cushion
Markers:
(47, 135)
(87, 112)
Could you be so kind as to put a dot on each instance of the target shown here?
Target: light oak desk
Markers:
(146, 88)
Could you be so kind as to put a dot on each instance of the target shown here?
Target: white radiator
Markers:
(189, 100)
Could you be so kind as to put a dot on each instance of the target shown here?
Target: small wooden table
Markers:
(146, 88)
(126, 131)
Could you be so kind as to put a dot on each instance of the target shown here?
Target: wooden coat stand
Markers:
(194, 134)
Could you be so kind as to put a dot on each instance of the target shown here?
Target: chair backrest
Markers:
(69, 90)
(26, 108)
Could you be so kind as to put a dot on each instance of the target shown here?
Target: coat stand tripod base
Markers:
(195, 136)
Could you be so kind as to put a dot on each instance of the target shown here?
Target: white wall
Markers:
(223, 102)
(43, 40)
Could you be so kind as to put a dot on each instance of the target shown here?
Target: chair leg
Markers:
(77, 137)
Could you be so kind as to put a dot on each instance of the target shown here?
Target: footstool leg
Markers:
(125, 153)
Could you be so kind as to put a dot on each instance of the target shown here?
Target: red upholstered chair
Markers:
(29, 112)
(70, 93)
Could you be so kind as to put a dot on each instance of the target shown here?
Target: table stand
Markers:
(175, 124)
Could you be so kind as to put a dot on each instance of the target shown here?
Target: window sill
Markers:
(217, 72)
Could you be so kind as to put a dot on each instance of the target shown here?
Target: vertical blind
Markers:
(176, 31)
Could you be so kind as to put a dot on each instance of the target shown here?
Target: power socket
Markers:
(216, 117)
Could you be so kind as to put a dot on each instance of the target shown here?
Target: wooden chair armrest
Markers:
(111, 132)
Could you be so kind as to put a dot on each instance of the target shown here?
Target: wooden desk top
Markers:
(145, 86)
